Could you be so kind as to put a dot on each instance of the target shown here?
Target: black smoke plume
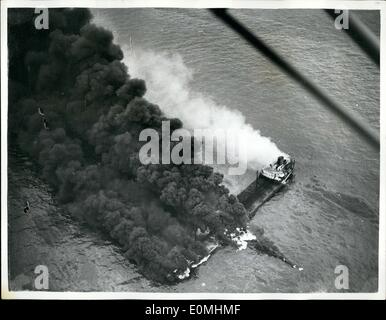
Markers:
(75, 109)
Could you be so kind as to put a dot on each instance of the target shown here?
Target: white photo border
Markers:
(245, 4)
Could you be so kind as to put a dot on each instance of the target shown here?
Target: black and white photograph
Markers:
(198, 150)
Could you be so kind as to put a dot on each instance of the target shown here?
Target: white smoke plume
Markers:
(168, 82)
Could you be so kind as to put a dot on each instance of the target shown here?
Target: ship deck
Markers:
(256, 194)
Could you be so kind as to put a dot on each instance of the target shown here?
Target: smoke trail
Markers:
(72, 78)
(168, 80)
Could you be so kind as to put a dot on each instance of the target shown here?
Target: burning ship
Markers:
(280, 171)
(269, 181)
